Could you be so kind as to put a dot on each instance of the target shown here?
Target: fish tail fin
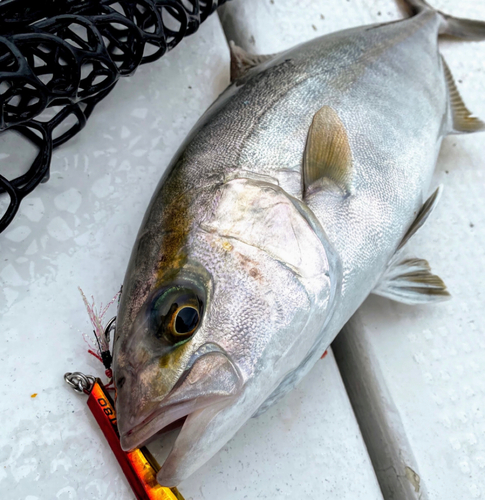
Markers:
(465, 29)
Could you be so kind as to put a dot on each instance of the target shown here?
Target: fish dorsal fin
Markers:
(422, 216)
(463, 120)
(410, 280)
(242, 61)
(327, 157)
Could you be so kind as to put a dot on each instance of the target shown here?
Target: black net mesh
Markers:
(64, 56)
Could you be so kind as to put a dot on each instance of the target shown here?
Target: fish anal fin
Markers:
(412, 282)
(242, 61)
(463, 121)
(421, 217)
(327, 158)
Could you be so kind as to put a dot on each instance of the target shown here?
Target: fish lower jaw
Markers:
(162, 420)
(156, 423)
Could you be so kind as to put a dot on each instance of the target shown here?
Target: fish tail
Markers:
(462, 120)
(465, 29)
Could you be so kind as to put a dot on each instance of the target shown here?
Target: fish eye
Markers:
(176, 314)
(186, 320)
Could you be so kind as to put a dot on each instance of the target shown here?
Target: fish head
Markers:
(209, 326)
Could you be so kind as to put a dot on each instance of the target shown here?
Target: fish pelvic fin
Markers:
(410, 280)
(465, 29)
(242, 61)
(463, 122)
(327, 161)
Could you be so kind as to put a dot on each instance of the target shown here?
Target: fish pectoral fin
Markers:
(422, 216)
(327, 160)
(463, 121)
(242, 61)
(412, 282)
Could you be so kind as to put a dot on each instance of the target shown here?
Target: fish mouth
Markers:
(212, 381)
(165, 419)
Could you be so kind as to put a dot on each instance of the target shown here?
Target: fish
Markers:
(291, 200)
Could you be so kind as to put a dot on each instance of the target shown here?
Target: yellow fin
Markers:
(327, 153)
(412, 282)
(463, 121)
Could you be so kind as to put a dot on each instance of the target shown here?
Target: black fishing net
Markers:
(59, 58)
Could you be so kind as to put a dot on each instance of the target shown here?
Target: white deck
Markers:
(78, 229)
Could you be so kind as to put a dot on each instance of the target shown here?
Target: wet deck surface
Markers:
(427, 363)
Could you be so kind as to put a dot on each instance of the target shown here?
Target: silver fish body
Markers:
(259, 271)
